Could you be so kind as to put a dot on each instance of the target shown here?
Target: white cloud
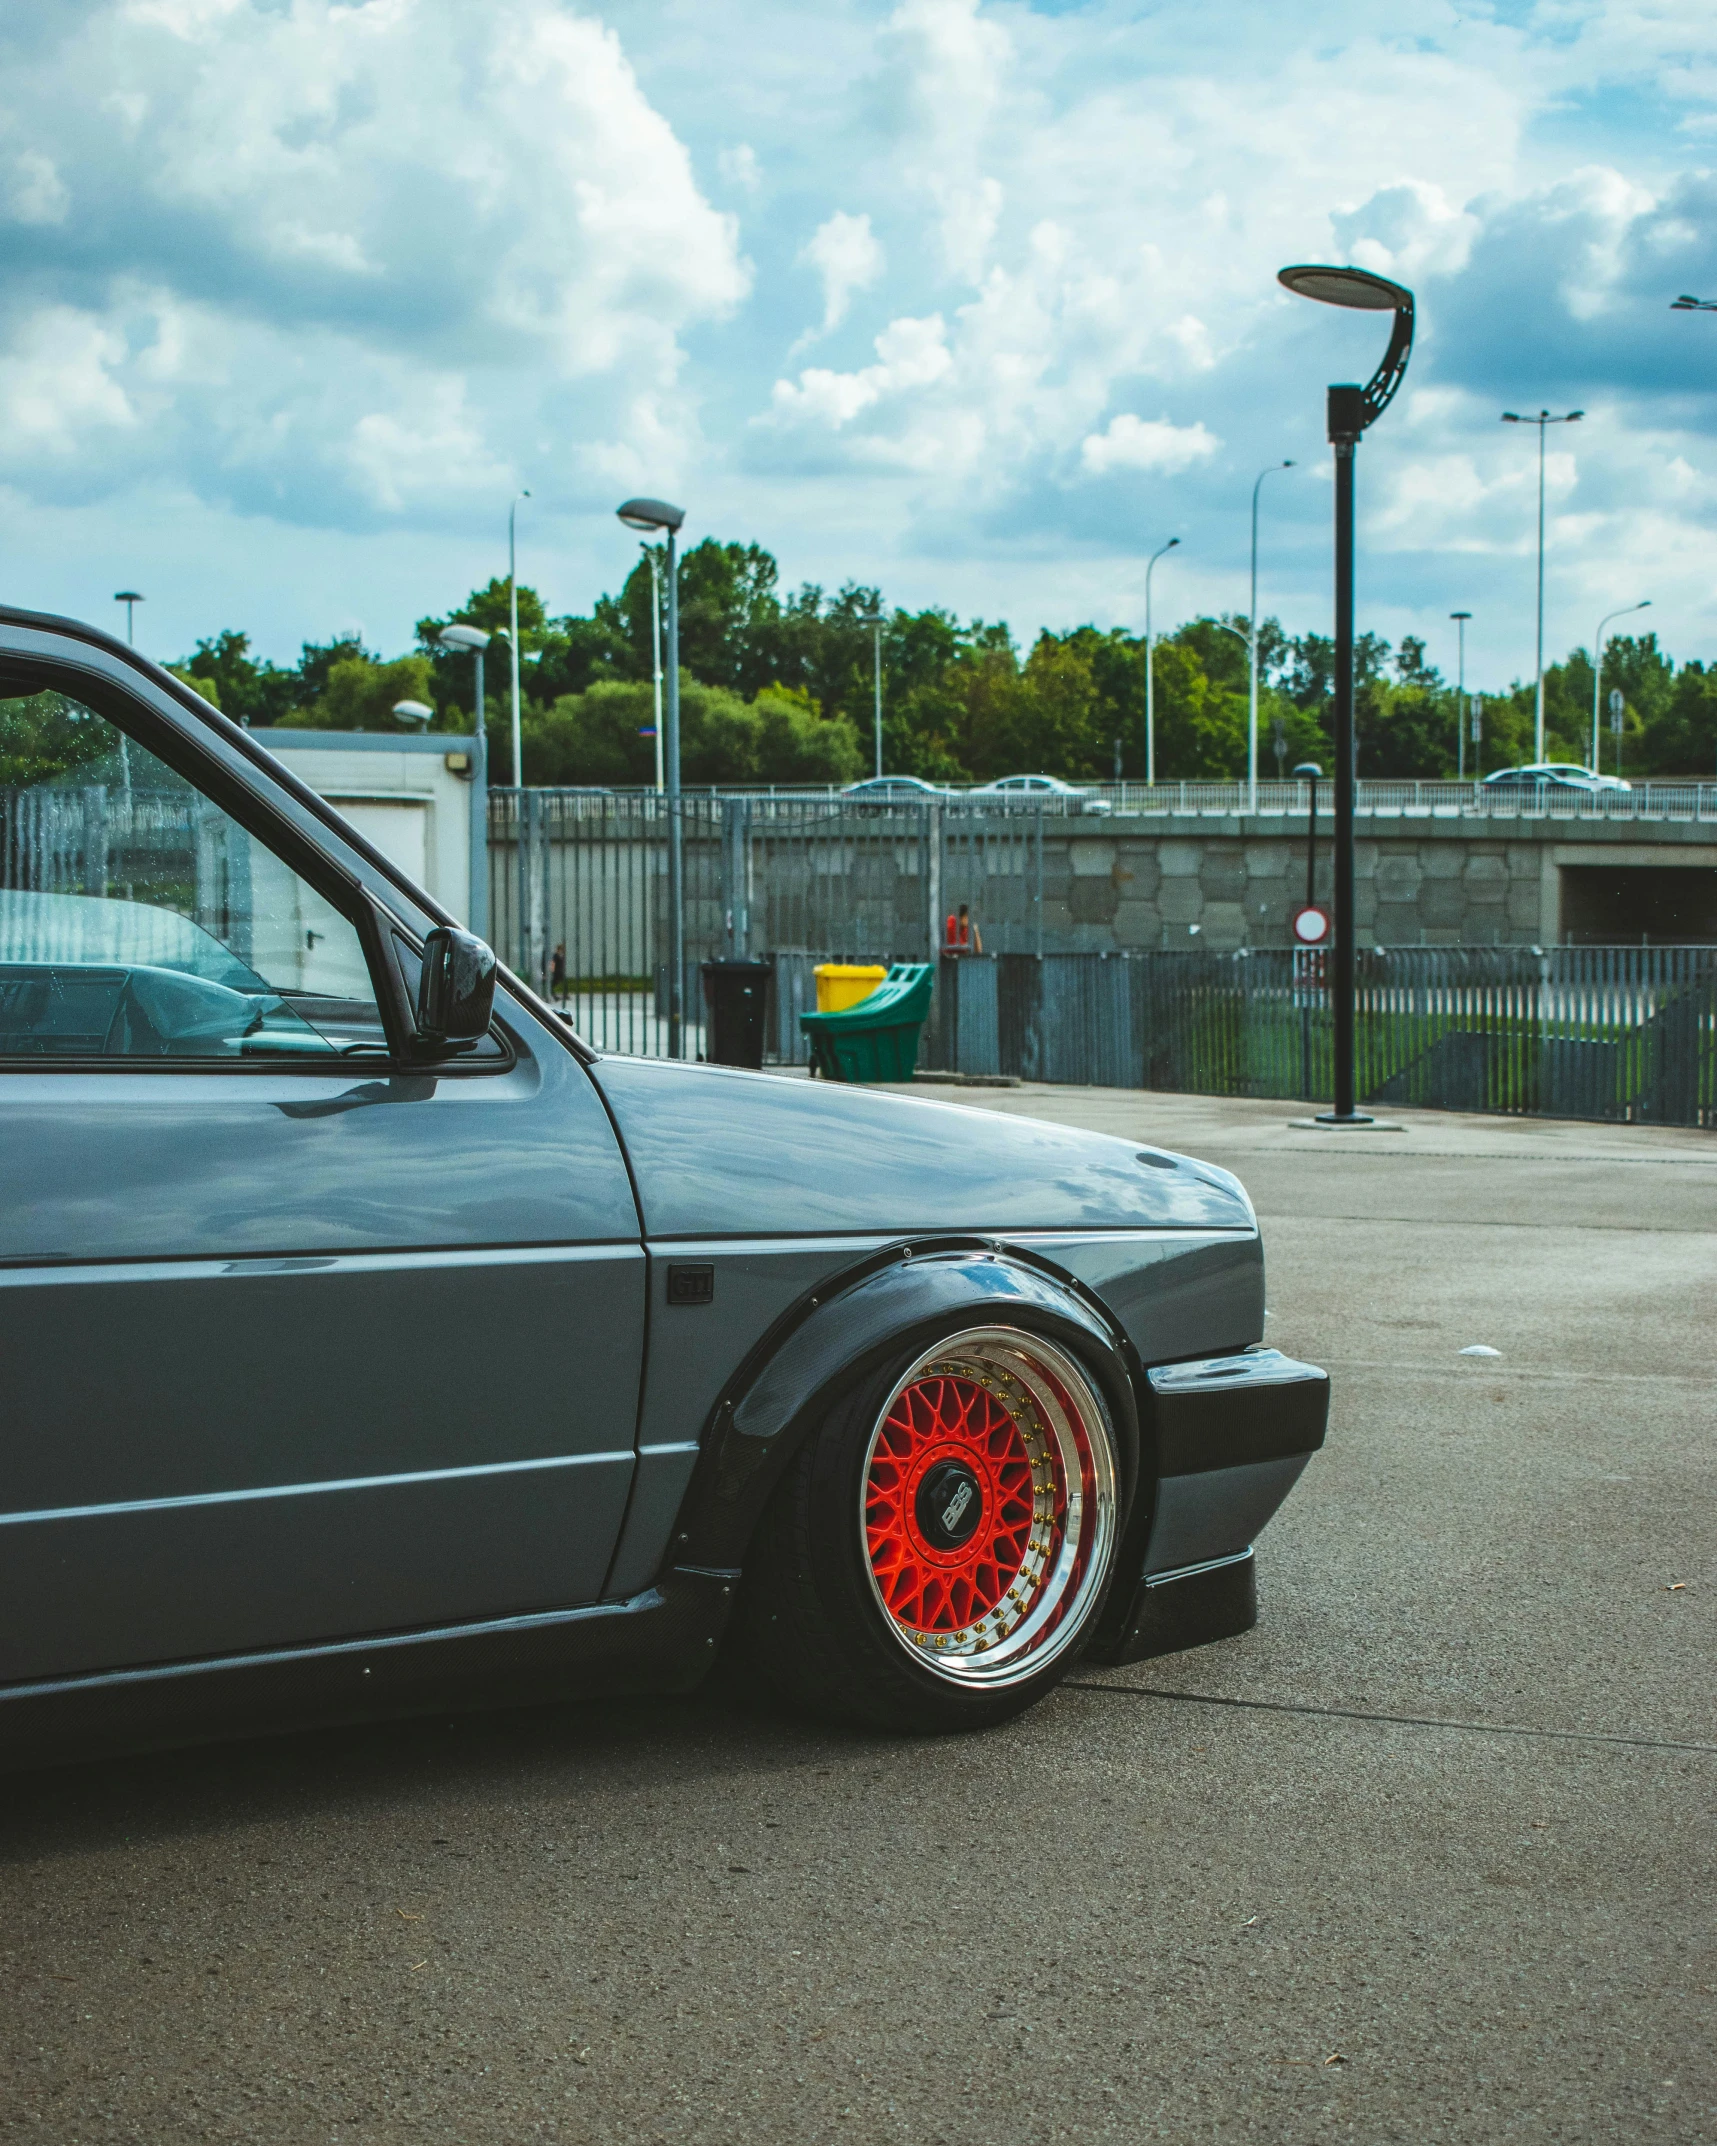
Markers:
(401, 211)
(911, 354)
(59, 385)
(739, 168)
(845, 252)
(1146, 443)
(35, 192)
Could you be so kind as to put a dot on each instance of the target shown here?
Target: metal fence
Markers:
(578, 899)
(1679, 801)
(578, 902)
(1617, 1033)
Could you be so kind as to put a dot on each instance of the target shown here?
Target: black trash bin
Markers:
(737, 994)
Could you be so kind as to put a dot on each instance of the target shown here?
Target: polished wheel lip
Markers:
(1066, 1402)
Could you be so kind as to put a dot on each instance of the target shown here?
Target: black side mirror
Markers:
(456, 993)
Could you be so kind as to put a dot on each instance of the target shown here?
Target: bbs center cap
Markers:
(949, 1505)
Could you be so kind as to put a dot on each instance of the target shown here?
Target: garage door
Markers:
(399, 828)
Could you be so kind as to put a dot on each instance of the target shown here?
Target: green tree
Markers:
(596, 737)
(359, 694)
(45, 737)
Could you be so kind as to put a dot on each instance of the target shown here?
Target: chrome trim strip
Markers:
(652, 1598)
(1191, 1572)
(305, 1490)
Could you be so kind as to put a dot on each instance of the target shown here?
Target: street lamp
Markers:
(1350, 410)
(649, 551)
(1598, 665)
(876, 620)
(1252, 652)
(651, 516)
(1685, 304)
(1460, 618)
(1543, 419)
(1150, 682)
(417, 714)
(130, 598)
(474, 640)
(513, 634)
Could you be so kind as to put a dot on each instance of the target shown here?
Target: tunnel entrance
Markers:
(1639, 905)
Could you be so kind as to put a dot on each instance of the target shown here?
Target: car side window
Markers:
(138, 920)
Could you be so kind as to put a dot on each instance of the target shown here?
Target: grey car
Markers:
(371, 1344)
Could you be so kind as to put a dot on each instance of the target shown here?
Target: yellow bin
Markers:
(841, 984)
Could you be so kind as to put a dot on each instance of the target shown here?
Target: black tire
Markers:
(860, 1605)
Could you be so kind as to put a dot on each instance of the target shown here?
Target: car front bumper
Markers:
(1232, 1436)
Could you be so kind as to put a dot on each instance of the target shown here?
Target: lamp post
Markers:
(1685, 304)
(1542, 420)
(475, 641)
(1350, 410)
(1150, 645)
(653, 516)
(1308, 771)
(1252, 650)
(513, 634)
(1460, 618)
(130, 598)
(649, 551)
(875, 620)
(1598, 664)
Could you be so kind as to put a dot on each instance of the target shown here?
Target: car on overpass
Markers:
(371, 1344)
(1043, 790)
(1552, 775)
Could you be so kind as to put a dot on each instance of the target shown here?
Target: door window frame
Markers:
(392, 946)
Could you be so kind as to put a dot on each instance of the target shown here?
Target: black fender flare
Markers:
(776, 1400)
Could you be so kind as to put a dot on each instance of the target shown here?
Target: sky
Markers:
(969, 299)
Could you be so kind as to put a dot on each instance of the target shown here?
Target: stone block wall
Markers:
(1221, 884)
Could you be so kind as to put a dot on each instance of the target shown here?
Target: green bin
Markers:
(878, 1038)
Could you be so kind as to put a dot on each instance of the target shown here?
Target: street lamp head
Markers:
(414, 712)
(1356, 288)
(1460, 614)
(650, 514)
(1352, 409)
(1308, 771)
(463, 637)
(128, 596)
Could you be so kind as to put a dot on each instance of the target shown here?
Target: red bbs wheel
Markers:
(939, 1550)
(989, 1506)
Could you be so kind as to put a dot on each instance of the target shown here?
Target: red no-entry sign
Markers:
(1311, 926)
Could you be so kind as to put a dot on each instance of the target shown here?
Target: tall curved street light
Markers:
(1350, 410)
(1598, 664)
(1252, 649)
(657, 517)
(649, 551)
(876, 620)
(473, 641)
(513, 634)
(1542, 420)
(1461, 619)
(1150, 669)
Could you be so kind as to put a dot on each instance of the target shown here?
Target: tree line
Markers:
(776, 686)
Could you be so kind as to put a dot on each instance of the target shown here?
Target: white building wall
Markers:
(399, 793)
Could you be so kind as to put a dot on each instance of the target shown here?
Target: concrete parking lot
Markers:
(1427, 1856)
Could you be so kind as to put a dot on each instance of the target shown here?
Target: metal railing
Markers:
(1617, 1033)
(1678, 800)
(578, 894)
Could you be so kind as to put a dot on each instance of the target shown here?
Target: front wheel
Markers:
(937, 1554)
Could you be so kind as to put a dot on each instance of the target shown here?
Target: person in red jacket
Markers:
(961, 935)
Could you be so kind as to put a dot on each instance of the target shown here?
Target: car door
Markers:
(298, 1340)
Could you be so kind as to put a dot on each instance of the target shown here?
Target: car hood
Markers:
(720, 1153)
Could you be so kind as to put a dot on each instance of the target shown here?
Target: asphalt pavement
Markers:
(1427, 1856)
